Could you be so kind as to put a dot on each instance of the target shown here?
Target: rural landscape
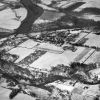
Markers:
(57, 58)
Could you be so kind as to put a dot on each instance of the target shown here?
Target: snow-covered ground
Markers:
(82, 54)
(63, 86)
(39, 21)
(9, 19)
(28, 44)
(93, 40)
(89, 3)
(81, 36)
(71, 56)
(4, 95)
(92, 51)
(50, 47)
(21, 52)
(50, 59)
(47, 2)
(94, 58)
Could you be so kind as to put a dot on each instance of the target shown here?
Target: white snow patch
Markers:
(8, 19)
(28, 44)
(21, 52)
(4, 95)
(50, 47)
(50, 59)
(22, 13)
(93, 40)
(39, 21)
(47, 2)
(72, 55)
(63, 87)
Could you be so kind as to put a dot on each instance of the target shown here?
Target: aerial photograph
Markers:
(49, 49)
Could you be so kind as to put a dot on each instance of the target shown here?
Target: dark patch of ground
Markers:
(91, 10)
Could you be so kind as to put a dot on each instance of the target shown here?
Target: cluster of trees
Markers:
(57, 38)
(31, 58)
(8, 57)
(25, 77)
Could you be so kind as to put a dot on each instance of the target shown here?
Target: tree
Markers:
(14, 93)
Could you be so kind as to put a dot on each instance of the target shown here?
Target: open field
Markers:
(28, 44)
(89, 54)
(4, 95)
(94, 58)
(82, 54)
(49, 46)
(81, 36)
(71, 56)
(21, 52)
(50, 59)
(93, 40)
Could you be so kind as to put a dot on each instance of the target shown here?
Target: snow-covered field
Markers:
(93, 40)
(94, 58)
(50, 47)
(50, 59)
(71, 56)
(4, 95)
(9, 19)
(47, 2)
(82, 54)
(87, 56)
(28, 44)
(81, 35)
(63, 86)
(21, 52)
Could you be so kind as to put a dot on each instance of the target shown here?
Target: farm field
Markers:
(22, 55)
(49, 47)
(50, 59)
(94, 58)
(71, 56)
(93, 40)
(28, 44)
(82, 54)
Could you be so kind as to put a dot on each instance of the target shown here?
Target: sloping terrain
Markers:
(81, 9)
(59, 59)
